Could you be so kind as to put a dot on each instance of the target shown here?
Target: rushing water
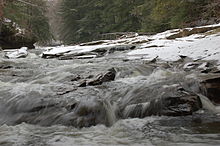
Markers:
(41, 104)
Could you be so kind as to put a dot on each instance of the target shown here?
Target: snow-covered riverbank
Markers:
(198, 46)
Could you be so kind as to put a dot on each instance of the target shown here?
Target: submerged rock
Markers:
(84, 113)
(88, 113)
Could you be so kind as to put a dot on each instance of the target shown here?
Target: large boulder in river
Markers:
(179, 105)
(174, 106)
(107, 77)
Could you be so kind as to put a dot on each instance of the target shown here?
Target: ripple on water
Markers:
(124, 132)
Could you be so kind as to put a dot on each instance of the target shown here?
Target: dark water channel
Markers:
(104, 101)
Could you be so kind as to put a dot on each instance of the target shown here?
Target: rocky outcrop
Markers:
(211, 84)
(12, 37)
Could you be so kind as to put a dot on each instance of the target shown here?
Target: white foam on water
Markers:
(123, 132)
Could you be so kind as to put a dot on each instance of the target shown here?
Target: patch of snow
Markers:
(72, 49)
(22, 52)
(7, 20)
(190, 65)
(195, 46)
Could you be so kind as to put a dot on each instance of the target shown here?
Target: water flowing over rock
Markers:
(168, 106)
(113, 90)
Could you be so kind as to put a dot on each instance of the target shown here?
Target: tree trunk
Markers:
(1, 16)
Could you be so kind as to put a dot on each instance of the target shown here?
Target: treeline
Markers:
(74, 21)
(28, 15)
(86, 20)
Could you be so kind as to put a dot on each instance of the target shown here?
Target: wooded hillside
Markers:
(74, 21)
(85, 20)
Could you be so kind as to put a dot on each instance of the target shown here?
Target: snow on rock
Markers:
(16, 26)
(67, 50)
(20, 53)
(197, 46)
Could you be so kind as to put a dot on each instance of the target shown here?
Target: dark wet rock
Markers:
(76, 78)
(182, 56)
(169, 106)
(208, 70)
(108, 50)
(65, 91)
(121, 48)
(153, 46)
(82, 83)
(83, 55)
(140, 41)
(49, 56)
(99, 52)
(174, 106)
(126, 60)
(154, 60)
(107, 77)
(3, 66)
(212, 85)
(89, 76)
(179, 105)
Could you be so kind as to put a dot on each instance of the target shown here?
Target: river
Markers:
(140, 90)
(42, 104)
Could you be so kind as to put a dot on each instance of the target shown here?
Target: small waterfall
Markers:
(135, 110)
(110, 112)
(208, 105)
